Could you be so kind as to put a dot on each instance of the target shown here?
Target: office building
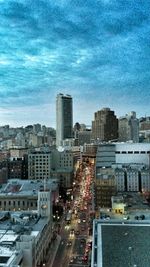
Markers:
(122, 154)
(105, 188)
(129, 128)
(105, 125)
(39, 165)
(64, 118)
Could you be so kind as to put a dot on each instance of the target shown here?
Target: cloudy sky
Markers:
(96, 50)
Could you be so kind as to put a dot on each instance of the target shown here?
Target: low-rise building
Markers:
(19, 194)
(26, 236)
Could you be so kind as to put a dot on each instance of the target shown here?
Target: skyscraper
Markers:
(129, 128)
(105, 125)
(64, 118)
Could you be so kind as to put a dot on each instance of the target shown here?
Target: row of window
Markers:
(132, 152)
(18, 203)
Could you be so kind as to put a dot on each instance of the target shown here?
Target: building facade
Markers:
(129, 128)
(64, 118)
(105, 125)
(39, 165)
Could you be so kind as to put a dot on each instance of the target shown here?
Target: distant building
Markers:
(105, 125)
(105, 188)
(132, 180)
(144, 123)
(123, 154)
(84, 137)
(130, 162)
(63, 166)
(129, 128)
(64, 118)
(18, 152)
(39, 165)
(36, 128)
(120, 179)
(145, 180)
(18, 168)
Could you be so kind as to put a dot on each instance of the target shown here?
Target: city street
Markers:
(76, 233)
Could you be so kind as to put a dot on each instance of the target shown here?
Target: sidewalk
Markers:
(53, 251)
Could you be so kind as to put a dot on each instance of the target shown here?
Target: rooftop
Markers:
(26, 187)
(117, 243)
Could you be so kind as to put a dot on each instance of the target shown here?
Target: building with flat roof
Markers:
(18, 194)
(120, 244)
(64, 118)
(26, 236)
(105, 125)
(122, 154)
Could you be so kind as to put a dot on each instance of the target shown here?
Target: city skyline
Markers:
(96, 51)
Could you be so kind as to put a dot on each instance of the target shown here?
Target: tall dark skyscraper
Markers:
(64, 118)
(105, 125)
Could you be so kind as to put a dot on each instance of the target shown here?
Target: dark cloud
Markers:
(99, 46)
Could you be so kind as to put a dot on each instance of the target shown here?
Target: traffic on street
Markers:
(76, 225)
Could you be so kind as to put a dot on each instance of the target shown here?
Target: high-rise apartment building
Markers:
(129, 128)
(105, 125)
(64, 118)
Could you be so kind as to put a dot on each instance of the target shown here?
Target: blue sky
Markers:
(96, 50)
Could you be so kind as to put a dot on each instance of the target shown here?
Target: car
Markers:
(89, 244)
(126, 217)
(69, 243)
(72, 259)
(85, 258)
(82, 240)
(77, 232)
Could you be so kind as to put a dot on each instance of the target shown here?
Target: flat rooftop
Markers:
(121, 244)
(26, 187)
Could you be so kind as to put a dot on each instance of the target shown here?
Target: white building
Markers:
(132, 153)
(130, 160)
(132, 180)
(145, 180)
(122, 154)
(120, 179)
